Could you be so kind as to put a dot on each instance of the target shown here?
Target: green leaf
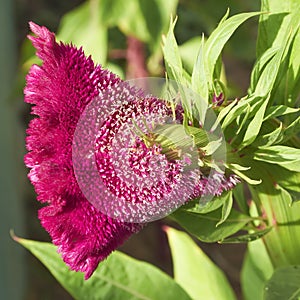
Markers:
(237, 170)
(204, 226)
(174, 67)
(257, 269)
(279, 110)
(240, 199)
(194, 271)
(199, 76)
(284, 284)
(269, 74)
(199, 135)
(284, 156)
(83, 27)
(172, 55)
(274, 24)
(118, 277)
(188, 53)
(246, 238)
(291, 131)
(197, 206)
(223, 113)
(244, 119)
(269, 139)
(237, 110)
(136, 18)
(219, 37)
(226, 208)
(260, 64)
(255, 124)
(282, 19)
(212, 146)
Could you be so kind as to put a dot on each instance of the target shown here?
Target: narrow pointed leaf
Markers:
(255, 124)
(217, 40)
(226, 208)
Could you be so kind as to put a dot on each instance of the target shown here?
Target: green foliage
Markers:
(194, 271)
(284, 156)
(84, 28)
(284, 284)
(118, 277)
(257, 269)
(207, 227)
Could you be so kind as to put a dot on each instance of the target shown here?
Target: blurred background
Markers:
(127, 40)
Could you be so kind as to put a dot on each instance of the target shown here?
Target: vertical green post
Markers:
(11, 255)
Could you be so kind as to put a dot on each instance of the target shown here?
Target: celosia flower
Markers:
(64, 175)
(60, 90)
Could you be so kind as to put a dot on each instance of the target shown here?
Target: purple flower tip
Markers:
(218, 100)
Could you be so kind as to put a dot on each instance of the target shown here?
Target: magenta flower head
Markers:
(60, 90)
(104, 154)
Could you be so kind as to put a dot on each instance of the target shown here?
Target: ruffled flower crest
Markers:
(60, 89)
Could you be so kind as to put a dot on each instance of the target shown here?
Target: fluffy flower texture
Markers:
(60, 90)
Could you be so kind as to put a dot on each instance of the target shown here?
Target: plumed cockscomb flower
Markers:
(60, 90)
(97, 156)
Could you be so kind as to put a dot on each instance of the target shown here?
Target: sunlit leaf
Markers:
(194, 271)
(199, 76)
(118, 277)
(188, 52)
(84, 28)
(257, 269)
(255, 124)
(279, 110)
(219, 37)
(284, 156)
(226, 208)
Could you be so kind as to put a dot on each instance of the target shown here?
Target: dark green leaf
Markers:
(284, 284)
(204, 226)
(246, 238)
(198, 206)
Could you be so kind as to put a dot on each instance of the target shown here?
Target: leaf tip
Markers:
(166, 228)
(13, 236)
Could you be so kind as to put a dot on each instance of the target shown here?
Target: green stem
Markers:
(283, 242)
